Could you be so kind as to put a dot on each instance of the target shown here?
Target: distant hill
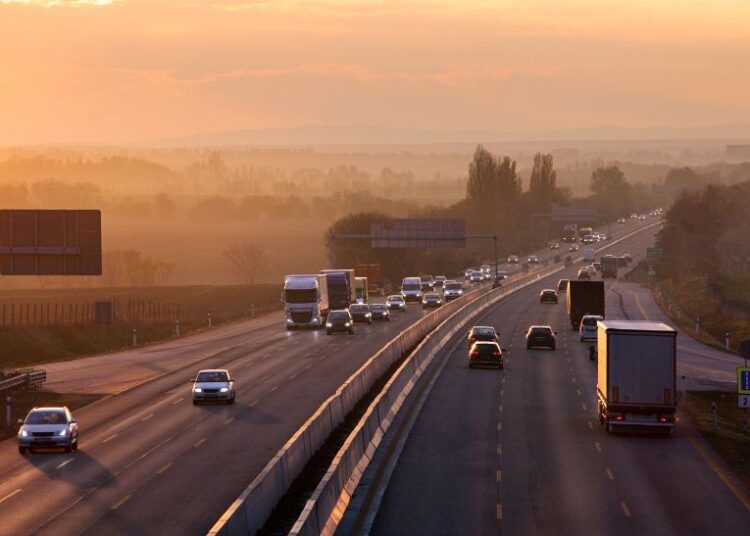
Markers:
(310, 135)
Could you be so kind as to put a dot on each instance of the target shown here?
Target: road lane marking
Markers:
(501, 392)
(264, 378)
(121, 502)
(272, 389)
(583, 407)
(11, 494)
(110, 438)
(498, 476)
(160, 471)
(625, 509)
(499, 449)
(499, 511)
(574, 380)
(253, 403)
(598, 446)
(230, 419)
(199, 442)
(578, 392)
(178, 401)
(502, 381)
(309, 365)
(63, 464)
(499, 426)
(609, 473)
(147, 417)
(500, 408)
(591, 425)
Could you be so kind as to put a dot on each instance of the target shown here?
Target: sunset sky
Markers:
(110, 71)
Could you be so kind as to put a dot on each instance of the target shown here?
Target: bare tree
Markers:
(246, 259)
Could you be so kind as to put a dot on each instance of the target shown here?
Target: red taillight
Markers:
(472, 339)
(666, 418)
(495, 353)
(474, 354)
(618, 417)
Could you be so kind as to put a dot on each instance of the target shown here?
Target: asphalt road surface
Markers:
(152, 463)
(521, 451)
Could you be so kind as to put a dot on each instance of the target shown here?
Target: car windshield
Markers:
(378, 308)
(453, 286)
(47, 417)
(359, 308)
(483, 332)
(338, 315)
(397, 299)
(540, 331)
(212, 376)
(411, 286)
(301, 295)
(487, 349)
(590, 320)
(432, 297)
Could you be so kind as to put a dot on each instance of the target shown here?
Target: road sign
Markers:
(654, 253)
(744, 349)
(419, 234)
(743, 380)
(743, 401)
(50, 242)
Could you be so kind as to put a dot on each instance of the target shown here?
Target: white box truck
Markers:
(636, 375)
(305, 301)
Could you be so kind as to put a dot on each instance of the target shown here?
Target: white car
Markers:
(213, 385)
(452, 290)
(587, 329)
(476, 277)
(48, 428)
(396, 302)
(513, 259)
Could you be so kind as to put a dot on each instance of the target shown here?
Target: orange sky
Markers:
(136, 70)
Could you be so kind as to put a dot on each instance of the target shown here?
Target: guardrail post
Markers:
(252, 310)
(8, 412)
(726, 341)
(135, 337)
(210, 321)
(177, 327)
(714, 414)
(697, 325)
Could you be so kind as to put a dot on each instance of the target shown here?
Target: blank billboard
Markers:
(50, 242)
(419, 234)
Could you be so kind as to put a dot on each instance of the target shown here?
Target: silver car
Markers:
(213, 385)
(49, 427)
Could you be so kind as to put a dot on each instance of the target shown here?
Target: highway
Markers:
(520, 451)
(152, 463)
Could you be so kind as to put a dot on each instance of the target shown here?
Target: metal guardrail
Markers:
(27, 380)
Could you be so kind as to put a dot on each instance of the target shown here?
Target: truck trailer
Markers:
(609, 266)
(636, 375)
(305, 300)
(341, 287)
(360, 289)
(584, 298)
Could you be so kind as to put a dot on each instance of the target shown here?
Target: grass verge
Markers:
(730, 439)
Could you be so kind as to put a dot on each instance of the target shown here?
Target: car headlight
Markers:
(23, 433)
(63, 432)
(289, 321)
(316, 321)
(224, 389)
(348, 324)
(197, 390)
(329, 325)
(368, 315)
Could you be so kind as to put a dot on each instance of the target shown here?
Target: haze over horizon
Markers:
(135, 71)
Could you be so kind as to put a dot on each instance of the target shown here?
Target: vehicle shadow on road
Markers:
(82, 471)
(240, 412)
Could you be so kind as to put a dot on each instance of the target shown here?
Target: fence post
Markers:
(8, 411)
(177, 327)
(210, 321)
(714, 414)
(135, 337)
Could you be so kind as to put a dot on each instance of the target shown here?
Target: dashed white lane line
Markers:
(501, 392)
(499, 449)
(498, 476)
(11, 494)
(230, 419)
(178, 401)
(502, 381)
(160, 471)
(598, 446)
(578, 392)
(583, 407)
(264, 378)
(272, 389)
(110, 438)
(308, 366)
(253, 403)
(121, 502)
(574, 380)
(500, 408)
(63, 464)
(591, 425)
(292, 376)
(499, 426)
(609, 473)
(199, 442)
(625, 509)
(499, 511)
(147, 417)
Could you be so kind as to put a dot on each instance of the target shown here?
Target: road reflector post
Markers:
(726, 341)
(8, 412)
(210, 322)
(135, 337)
(714, 414)
(697, 325)
(177, 327)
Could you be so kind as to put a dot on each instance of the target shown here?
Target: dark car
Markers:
(548, 295)
(432, 299)
(598, 267)
(379, 311)
(533, 259)
(360, 313)
(428, 283)
(562, 285)
(482, 334)
(554, 245)
(622, 262)
(628, 258)
(584, 273)
(339, 320)
(541, 336)
(439, 281)
(485, 353)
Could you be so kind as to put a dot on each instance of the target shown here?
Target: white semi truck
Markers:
(636, 376)
(305, 301)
